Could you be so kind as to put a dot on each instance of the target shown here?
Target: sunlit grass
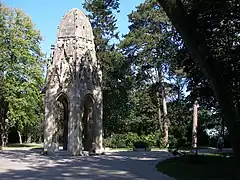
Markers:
(24, 145)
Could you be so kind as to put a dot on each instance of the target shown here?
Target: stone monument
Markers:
(73, 95)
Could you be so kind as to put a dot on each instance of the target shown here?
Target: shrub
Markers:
(178, 143)
(107, 142)
(150, 140)
(172, 142)
(130, 140)
(117, 141)
(120, 140)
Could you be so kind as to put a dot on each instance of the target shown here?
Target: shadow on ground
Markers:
(196, 167)
(29, 165)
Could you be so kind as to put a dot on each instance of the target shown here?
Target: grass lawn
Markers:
(121, 149)
(158, 149)
(130, 149)
(201, 167)
(27, 145)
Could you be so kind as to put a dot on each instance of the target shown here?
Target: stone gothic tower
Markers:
(73, 96)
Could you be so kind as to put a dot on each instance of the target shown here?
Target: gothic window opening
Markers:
(88, 124)
(62, 121)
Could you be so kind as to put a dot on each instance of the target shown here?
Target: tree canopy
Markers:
(210, 30)
(173, 55)
(21, 66)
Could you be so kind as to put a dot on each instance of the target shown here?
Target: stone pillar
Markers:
(50, 144)
(79, 130)
(47, 122)
(71, 127)
(77, 140)
(98, 106)
(74, 130)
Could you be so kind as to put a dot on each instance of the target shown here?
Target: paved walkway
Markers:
(30, 165)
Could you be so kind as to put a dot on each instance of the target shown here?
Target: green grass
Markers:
(123, 149)
(130, 149)
(17, 145)
(201, 167)
(157, 149)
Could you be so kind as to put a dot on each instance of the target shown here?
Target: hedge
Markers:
(128, 140)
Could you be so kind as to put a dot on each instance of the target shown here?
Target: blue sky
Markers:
(47, 14)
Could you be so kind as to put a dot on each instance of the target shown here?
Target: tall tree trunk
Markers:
(3, 113)
(159, 113)
(165, 120)
(20, 137)
(3, 131)
(160, 118)
(165, 117)
(195, 127)
(29, 139)
(40, 139)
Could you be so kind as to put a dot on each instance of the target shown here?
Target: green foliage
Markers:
(21, 64)
(130, 140)
(103, 22)
(116, 72)
(181, 124)
(149, 140)
(134, 74)
(151, 57)
(143, 115)
(118, 81)
(149, 43)
(121, 140)
(151, 46)
(210, 30)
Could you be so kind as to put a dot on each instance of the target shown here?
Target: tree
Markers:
(143, 118)
(104, 27)
(199, 88)
(151, 53)
(210, 32)
(118, 84)
(116, 73)
(21, 63)
(181, 124)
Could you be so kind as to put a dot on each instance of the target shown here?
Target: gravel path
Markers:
(30, 165)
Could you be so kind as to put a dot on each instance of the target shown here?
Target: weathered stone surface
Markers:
(74, 78)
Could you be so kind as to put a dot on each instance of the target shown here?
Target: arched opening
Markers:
(88, 123)
(62, 117)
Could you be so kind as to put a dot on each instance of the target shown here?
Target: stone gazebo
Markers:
(73, 96)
